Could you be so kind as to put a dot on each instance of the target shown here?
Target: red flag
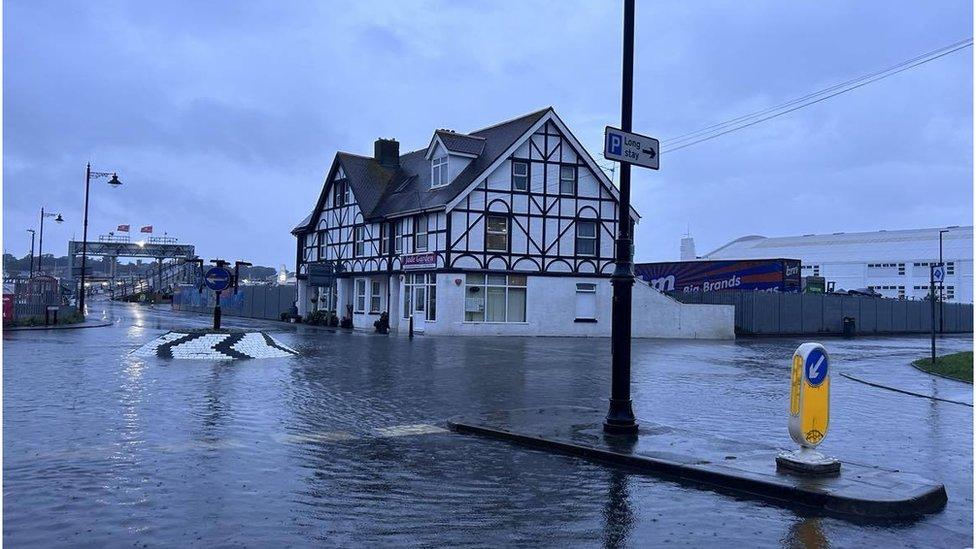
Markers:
(146, 229)
(123, 228)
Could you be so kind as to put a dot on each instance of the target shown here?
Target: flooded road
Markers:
(344, 445)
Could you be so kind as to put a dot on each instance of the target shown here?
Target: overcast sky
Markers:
(222, 118)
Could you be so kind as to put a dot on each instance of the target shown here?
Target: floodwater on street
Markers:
(345, 446)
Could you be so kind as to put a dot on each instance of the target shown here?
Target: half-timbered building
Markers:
(505, 230)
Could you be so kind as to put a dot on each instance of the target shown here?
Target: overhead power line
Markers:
(745, 121)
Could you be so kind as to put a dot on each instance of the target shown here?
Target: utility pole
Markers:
(620, 418)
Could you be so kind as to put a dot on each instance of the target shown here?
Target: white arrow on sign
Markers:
(815, 369)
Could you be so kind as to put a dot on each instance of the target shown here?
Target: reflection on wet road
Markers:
(345, 444)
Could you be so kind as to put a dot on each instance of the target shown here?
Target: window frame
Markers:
(595, 239)
(359, 297)
(417, 232)
(429, 282)
(398, 236)
(575, 179)
(587, 288)
(483, 289)
(359, 240)
(527, 176)
(384, 238)
(375, 296)
(439, 171)
(508, 232)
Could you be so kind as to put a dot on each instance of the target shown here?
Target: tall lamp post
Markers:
(941, 285)
(32, 232)
(620, 417)
(40, 245)
(89, 174)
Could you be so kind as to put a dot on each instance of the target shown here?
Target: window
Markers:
(585, 301)
(496, 233)
(375, 297)
(360, 295)
(586, 238)
(338, 194)
(494, 298)
(520, 175)
(567, 179)
(420, 295)
(384, 238)
(950, 268)
(359, 241)
(420, 233)
(398, 236)
(322, 249)
(438, 172)
(341, 194)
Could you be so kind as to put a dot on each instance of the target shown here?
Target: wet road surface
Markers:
(344, 445)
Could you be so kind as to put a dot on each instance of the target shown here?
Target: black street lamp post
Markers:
(89, 174)
(620, 418)
(40, 244)
(32, 232)
(941, 284)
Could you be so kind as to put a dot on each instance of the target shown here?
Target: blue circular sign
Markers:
(815, 369)
(217, 279)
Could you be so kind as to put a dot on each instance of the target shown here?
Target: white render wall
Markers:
(551, 310)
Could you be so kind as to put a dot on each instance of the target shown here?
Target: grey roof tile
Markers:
(381, 192)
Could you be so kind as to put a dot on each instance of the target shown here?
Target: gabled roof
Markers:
(382, 192)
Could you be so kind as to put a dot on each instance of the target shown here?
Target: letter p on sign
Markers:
(615, 144)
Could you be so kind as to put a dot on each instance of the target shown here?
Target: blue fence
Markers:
(250, 301)
(770, 313)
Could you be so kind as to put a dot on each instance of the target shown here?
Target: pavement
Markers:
(346, 443)
(87, 323)
(742, 467)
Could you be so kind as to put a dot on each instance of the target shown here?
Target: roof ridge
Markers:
(549, 108)
(452, 132)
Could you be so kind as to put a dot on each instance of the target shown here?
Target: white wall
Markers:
(551, 311)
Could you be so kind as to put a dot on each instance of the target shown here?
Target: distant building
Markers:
(893, 263)
(688, 248)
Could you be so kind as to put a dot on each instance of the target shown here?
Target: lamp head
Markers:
(59, 219)
(115, 180)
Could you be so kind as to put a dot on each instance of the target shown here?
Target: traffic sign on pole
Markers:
(217, 279)
(632, 148)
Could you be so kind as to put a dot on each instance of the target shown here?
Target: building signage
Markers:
(631, 148)
(809, 395)
(420, 261)
(938, 273)
(765, 275)
(322, 273)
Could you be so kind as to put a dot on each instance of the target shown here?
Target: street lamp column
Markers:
(941, 285)
(620, 418)
(89, 174)
(40, 245)
(31, 231)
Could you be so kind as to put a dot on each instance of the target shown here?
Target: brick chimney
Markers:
(387, 153)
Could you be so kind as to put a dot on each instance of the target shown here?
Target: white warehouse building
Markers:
(893, 263)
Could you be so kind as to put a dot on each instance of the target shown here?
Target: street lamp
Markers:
(114, 181)
(40, 245)
(941, 284)
(32, 232)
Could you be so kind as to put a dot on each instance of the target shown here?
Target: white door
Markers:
(419, 303)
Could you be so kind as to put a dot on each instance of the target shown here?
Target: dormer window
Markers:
(438, 172)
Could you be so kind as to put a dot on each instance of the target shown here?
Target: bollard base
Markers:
(807, 461)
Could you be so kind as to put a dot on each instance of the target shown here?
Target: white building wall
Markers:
(551, 311)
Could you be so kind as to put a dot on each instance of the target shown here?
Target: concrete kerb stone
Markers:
(858, 492)
(75, 326)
